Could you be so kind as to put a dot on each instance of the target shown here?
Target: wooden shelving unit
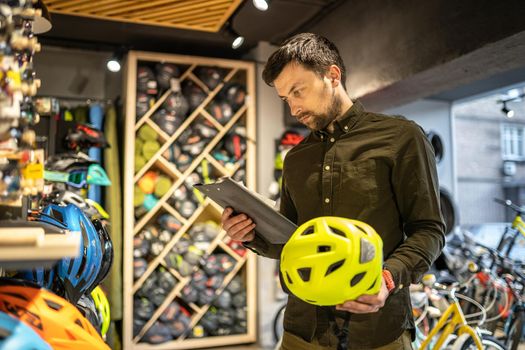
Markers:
(244, 265)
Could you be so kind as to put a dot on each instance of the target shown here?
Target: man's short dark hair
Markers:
(312, 51)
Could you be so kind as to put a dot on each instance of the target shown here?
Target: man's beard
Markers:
(321, 121)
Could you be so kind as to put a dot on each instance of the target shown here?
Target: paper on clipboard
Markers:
(272, 226)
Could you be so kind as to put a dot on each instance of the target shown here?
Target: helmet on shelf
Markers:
(17, 335)
(329, 260)
(102, 305)
(78, 274)
(52, 317)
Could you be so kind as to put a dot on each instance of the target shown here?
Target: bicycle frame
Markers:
(452, 319)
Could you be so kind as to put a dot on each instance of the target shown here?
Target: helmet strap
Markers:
(340, 333)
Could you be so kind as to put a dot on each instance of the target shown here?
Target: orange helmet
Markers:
(52, 317)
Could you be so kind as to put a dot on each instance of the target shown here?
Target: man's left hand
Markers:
(366, 303)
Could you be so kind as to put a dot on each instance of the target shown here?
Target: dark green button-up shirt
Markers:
(380, 170)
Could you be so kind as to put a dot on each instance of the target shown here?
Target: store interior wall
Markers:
(77, 74)
(435, 116)
(270, 125)
(397, 52)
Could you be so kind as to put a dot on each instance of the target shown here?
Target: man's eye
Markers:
(296, 93)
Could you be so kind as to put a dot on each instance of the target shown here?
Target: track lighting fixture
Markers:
(115, 62)
(261, 5)
(237, 39)
(516, 96)
(508, 112)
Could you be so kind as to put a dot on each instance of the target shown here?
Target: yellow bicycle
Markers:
(452, 321)
(511, 234)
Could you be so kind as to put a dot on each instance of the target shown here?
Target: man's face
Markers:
(311, 99)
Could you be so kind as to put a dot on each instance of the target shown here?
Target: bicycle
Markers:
(512, 232)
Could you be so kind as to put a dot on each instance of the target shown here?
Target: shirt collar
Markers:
(346, 122)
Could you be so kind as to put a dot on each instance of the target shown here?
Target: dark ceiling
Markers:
(283, 18)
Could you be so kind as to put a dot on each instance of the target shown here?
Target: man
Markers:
(359, 165)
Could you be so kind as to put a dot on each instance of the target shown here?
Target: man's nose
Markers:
(295, 109)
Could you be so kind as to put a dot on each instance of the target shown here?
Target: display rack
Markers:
(179, 176)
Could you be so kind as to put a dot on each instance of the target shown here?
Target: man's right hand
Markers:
(238, 227)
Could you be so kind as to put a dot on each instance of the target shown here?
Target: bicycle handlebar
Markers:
(508, 203)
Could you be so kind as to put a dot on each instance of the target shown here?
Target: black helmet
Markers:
(166, 72)
(158, 333)
(234, 94)
(140, 266)
(143, 308)
(224, 300)
(210, 76)
(146, 82)
(171, 312)
(168, 121)
(193, 93)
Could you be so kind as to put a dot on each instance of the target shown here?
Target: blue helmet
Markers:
(14, 334)
(78, 274)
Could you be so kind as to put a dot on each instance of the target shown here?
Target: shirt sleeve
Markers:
(263, 247)
(416, 189)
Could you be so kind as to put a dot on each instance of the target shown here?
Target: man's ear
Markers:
(334, 74)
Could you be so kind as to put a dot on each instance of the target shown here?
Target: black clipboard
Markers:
(272, 226)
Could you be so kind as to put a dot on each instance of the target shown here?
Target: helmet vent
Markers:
(84, 253)
(323, 248)
(77, 321)
(305, 273)
(357, 278)
(4, 333)
(53, 305)
(334, 267)
(338, 232)
(308, 231)
(57, 215)
(289, 279)
(373, 284)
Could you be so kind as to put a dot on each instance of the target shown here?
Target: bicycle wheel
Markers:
(465, 342)
(515, 332)
(278, 324)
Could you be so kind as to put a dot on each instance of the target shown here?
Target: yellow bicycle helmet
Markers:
(102, 305)
(329, 260)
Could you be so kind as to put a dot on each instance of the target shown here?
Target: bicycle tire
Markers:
(278, 324)
(465, 342)
(515, 332)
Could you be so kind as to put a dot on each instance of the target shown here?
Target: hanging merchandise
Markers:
(168, 121)
(103, 309)
(235, 142)
(57, 321)
(176, 103)
(193, 93)
(84, 136)
(166, 72)
(17, 335)
(220, 110)
(78, 275)
(86, 306)
(146, 82)
(182, 262)
(234, 94)
(144, 103)
(210, 76)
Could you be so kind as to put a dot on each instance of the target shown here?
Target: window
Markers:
(512, 142)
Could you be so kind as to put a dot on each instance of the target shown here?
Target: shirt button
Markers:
(327, 167)
(346, 127)
(400, 286)
(332, 139)
(327, 200)
(322, 137)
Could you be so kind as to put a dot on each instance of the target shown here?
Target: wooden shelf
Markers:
(207, 210)
(23, 247)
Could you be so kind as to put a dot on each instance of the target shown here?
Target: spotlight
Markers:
(508, 112)
(237, 39)
(261, 5)
(42, 23)
(113, 64)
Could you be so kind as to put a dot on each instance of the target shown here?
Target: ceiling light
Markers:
(114, 63)
(236, 39)
(508, 112)
(261, 5)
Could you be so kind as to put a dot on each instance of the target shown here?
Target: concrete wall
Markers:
(479, 161)
(76, 74)
(401, 51)
(435, 116)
